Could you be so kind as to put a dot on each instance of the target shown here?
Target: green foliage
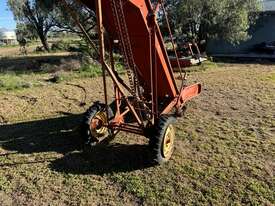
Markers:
(86, 50)
(35, 16)
(25, 31)
(223, 19)
(90, 70)
(202, 20)
(61, 46)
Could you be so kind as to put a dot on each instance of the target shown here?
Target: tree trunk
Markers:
(202, 38)
(44, 41)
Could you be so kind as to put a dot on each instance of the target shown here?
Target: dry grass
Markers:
(14, 50)
(224, 156)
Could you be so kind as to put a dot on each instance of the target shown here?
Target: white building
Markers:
(7, 37)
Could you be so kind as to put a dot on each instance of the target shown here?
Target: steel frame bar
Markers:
(171, 38)
(153, 68)
(186, 94)
(102, 50)
(105, 65)
(74, 16)
(129, 128)
(179, 97)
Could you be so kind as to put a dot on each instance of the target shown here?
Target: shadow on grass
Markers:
(266, 60)
(51, 135)
(62, 135)
(104, 159)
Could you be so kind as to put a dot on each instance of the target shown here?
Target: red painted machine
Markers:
(189, 55)
(149, 100)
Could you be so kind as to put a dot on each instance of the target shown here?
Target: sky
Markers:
(6, 16)
(7, 20)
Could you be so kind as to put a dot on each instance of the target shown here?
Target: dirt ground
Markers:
(11, 51)
(225, 151)
(45, 62)
(12, 60)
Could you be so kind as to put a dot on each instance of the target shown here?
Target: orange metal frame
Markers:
(155, 73)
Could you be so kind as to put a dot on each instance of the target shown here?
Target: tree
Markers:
(35, 15)
(25, 31)
(65, 22)
(215, 19)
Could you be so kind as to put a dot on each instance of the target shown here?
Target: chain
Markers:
(125, 44)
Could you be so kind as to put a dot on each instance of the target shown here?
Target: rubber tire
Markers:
(157, 138)
(86, 135)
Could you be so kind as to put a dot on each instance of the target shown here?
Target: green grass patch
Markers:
(132, 184)
(145, 189)
(86, 71)
(19, 80)
(268, 78)
(11, 81)
(8, 46)
(207, 65)
(89, 70)
(271, 78)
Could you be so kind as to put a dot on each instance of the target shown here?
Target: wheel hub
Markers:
(168, 141)
(98, 124)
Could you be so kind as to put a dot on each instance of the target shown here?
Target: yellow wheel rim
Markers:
(98, 125)
(168, 141)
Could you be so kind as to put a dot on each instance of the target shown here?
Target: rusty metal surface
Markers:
(136, 17)
(133, 23)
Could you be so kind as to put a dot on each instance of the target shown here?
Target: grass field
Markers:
(225, 151)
